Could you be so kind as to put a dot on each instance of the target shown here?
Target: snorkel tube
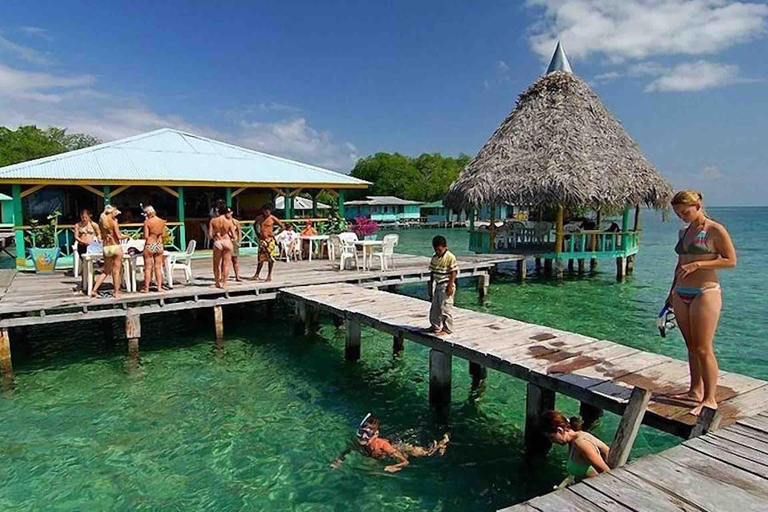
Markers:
(666, 320)
(364, 434)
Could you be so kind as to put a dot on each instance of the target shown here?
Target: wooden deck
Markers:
(30, 299)
(724, 470)
(597, 372)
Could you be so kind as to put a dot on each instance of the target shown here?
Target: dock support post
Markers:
(537, 265)
(593, 265)
(6, 367)
(313, 319)
(537, 401)
(559, 274)
(709, 419)
(582, 264)
(483, 281)
(628, 427)
(439, 378)
(590, 414)
(547, 267)
(392, 288)
(133, 333)
(621, 268)
(337, 321)
(299, 319)
(398, 344)
(570, 266)
(631, 264)
(352, 348)
(478, 372)
(521, 270)
(218, 322)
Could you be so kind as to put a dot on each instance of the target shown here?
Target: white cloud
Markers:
(603, 78)
(44, 87)
(637, 29)
(24, 52)
(37, 32)
(502, 66)
(696, 76)
(711, 172)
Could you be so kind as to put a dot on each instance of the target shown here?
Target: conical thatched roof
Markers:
(560, 145)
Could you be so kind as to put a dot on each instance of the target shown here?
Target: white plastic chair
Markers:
(348, 251)
(75, 260)
(182, 261)
(348, 236)
(207, 242)
(387, 251)
(289, 247)
(334, 246)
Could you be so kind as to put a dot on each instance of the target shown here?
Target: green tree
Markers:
(30, 142)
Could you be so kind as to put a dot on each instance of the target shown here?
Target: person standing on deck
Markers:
(113, 251)
(442, 287)
(154, 227)
(86, 232)
(222, 233)
(703, 247)
(236, 244)
(267, 242)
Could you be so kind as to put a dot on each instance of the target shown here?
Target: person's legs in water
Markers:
(438, 447)
(704, 314)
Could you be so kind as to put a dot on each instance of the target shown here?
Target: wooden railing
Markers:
(577, 245)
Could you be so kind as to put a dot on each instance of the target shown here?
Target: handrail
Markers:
(72, 226)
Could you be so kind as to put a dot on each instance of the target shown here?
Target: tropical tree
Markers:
(30, 142)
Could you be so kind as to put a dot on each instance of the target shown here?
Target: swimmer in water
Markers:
(371, 444)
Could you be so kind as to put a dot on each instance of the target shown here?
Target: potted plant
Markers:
(44, 243)
(334, 225)
(365, 228)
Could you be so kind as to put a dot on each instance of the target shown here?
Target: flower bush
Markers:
(364, 227)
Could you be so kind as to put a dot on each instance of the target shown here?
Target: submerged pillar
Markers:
(537, 265)
(313, 319)
(559, 272)
(478, 372)
(398, 344)
(133, 333)
(521, 270)
(537, 401)
(299, 319)
(547, 267)
(6, 367)
(218, 322)
(352, 346)
(621, 268)
(590, 415)
(582, 264)
(483, 281)
(439, 379)
(631, 264)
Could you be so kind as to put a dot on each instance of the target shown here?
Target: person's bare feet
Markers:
(118, 295)
(256, 278)
(697, 410)
(689, 395)
(144, 290)
(268, 279)
(238, 279)
(442, 334)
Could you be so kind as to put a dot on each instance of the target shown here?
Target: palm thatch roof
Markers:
(560, 146)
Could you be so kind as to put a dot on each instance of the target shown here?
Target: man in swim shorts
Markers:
(267, 243)
(222, 233)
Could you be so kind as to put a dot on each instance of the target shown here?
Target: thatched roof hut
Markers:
(560, 146)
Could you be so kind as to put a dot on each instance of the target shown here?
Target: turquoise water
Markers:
(255, 424)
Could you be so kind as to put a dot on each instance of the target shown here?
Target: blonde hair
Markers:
(689, 198)
(149, 210)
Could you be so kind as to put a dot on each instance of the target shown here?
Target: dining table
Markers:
(312, 239)
(367, 249)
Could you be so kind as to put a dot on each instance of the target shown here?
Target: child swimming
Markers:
(373, 445)
(587, 453)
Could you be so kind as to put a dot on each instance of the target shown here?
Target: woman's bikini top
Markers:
(88, 229)
(579, 469)
(700, 244)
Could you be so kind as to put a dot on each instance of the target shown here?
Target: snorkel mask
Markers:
(364, 434)
(666, 320)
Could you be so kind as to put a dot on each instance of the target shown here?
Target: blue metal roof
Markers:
(168, 156)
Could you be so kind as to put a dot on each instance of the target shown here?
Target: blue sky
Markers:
(329, 82)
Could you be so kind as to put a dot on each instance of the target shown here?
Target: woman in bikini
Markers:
(86, 231)
(113, 252)
(222, 232)
(702, 247)
(587, 454)
(154, 227)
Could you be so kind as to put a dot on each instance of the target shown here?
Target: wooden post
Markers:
(287, 205)
(314, 204)
(625, 228)
(709, 420)
(6, 366)
(299, 318)
(352, 348)
(478, 372)
(133, 333)
(537, 401)
(398, 344)
(228, 196)
(341, 203)
(313, 319)
(570, 266)
(521, 270)
(637, 218)
(590, 414)
(107, 198)
(559, 230)
(628, 427)
(439, 378)
(471, 215)
(537, 265)
(547, 266)
(631, 264)
(621, 268)
(393, 288)
(582, 265)
(180, 213)
(559, 274)
(18, 221)
(337, 321)
(483, 281)
(599, 222)
(218, 321)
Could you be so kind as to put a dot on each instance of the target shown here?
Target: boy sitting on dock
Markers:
(372, 445)
(442, 287)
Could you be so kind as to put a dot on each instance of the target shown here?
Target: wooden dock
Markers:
(601, 374)
(724, 470)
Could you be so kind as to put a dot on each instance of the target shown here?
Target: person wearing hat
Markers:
(113, 252)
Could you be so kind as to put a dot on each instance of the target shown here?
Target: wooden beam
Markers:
(31, 190)
(709, 419)
(237, 192)
(628, 427)
(300, 318)
(589, 413)
(296, 192)
(5, 352)
(277, 191)
(332, 192)
(218, 321)
(483, 281)
(352, 347)
(398, 344)
(478, 373)
(537, 401)
(169, 190)
(521, 270)
(118, 190)
(179, 183)
(439, 378)
(133, 333)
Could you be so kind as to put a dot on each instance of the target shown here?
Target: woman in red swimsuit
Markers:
(371, 444)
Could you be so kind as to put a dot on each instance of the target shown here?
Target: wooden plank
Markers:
(742, 457)
(563, 501)
(636, 493)
(656, 378)
(744, 436)
(706, 492)
(5, 353)
(218, 322)
(709, 419)
(598, 498)
(628, 427)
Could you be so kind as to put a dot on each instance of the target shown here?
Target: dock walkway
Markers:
(599, 373)
(724, 470)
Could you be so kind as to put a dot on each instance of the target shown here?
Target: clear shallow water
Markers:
(256, 424)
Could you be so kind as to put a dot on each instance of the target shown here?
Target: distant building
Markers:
(383, 209)
(436, 212)
(302, 207)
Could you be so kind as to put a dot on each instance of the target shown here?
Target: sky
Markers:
(330, 82)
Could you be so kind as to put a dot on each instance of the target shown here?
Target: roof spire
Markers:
(559, 61)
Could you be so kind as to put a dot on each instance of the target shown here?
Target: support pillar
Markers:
(314, 204)
(352, 347)
(590, 415)
(483, 281)
(559, 271)
(398, 344)
(341, 203)
(570, 266)
(537, 265)
(547, 267)
(228, 196)
(6, 366)
(628, 427)
(593, 265)
(621, 268)
(582, 264)
(300, 319)
(471, 215)
(133, 333)
(439, 379)
(478, 372)
(180, 213)
(337, 321)
(631, 264)
(313, 319)
(521, 270)
(18, 221)
(537, 401)
(218, 322)
(287, 205)
(107, 199)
